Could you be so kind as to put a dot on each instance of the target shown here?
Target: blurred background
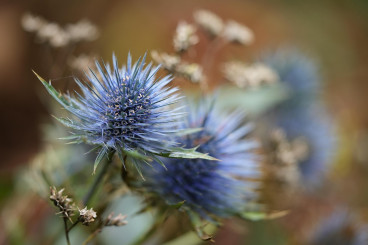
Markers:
(334, 32)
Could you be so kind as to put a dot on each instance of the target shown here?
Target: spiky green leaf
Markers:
(101, 155)
(191, 153)
(53, 92)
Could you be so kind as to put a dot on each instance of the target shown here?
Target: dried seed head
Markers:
(185, 36)
(63, 202)
(83, 30)
(238, 33)
(56, 35)
(209, 21)
(81, 62)
(286, 156)
(193, 71)
(87, 216)
(32, 23)
(116, 221)
(169, 62)
(244, 75)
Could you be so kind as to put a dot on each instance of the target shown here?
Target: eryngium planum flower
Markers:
(211, 188)
(123, 110)
(303, 114)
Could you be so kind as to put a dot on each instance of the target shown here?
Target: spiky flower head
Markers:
(303, 114)
(211, 188)
(122, 109)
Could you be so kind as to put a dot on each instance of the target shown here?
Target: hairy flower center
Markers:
(126, 113)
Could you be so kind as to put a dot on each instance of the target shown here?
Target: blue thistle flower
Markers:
(211, 188)
(298, 72)
(302, 114)
(122, 110)
(340, 228)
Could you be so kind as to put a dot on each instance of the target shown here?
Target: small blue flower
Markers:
(123, 110)
(340, 228)
(303, 114)
(211, 188)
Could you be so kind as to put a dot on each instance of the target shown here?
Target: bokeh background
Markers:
(335, 32)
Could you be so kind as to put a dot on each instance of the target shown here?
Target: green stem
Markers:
(90, 237)
(66, 230)
(71, 227)
(98, 178)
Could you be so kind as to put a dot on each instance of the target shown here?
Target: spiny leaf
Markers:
(257, 216)
(101, 155)
(67, 122)
(191, 153)
(54, 93)
(159, 161)
(137, 155)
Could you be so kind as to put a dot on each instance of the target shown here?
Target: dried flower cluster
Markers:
(118, 220)
(56, 35)
(172, 63)
(238, 33)
(63, 202)
(249, 76)
(185, 36)
(231, 30)
(87, 216)
(209, 21)
(285, 156)
(81, 62)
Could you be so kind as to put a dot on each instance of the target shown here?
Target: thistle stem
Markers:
(98, 178)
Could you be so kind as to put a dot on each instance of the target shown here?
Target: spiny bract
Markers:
(211, 188)
(125, 109)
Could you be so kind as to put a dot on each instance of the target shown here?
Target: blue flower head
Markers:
(123, 109)
(298, 72)
(302, 114)
(340, 228)
(211, 188)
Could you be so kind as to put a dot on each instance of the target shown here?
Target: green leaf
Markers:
(191, 153)
(177, 205)
(159, 161)
(258, 216)
(137, 155)
(101, 155)
(54, 93)
(255, 101)
(188, 131)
